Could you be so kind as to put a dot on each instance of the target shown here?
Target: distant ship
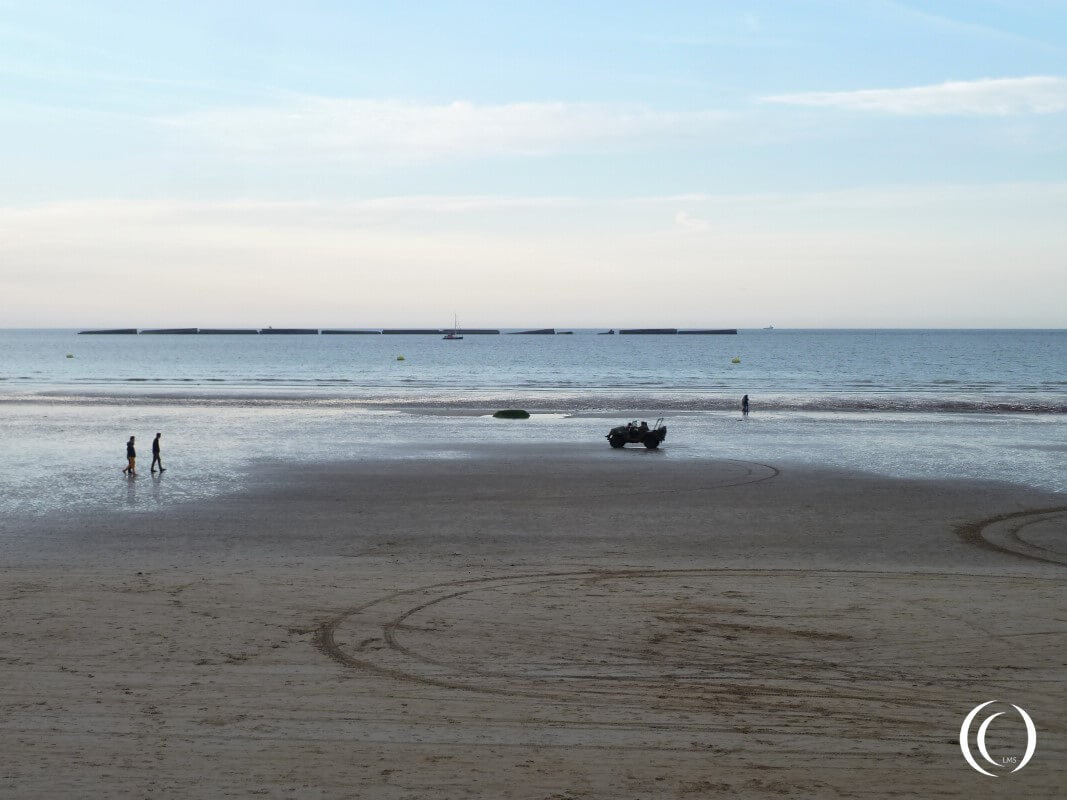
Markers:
(455, 330)
(769, 328)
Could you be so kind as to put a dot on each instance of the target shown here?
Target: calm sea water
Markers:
(890, 370)
(973, 404)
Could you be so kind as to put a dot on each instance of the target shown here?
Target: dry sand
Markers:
(536, 624)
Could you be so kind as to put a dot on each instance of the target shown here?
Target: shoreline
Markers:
(595, 400)
(63, 456)
(272, 484)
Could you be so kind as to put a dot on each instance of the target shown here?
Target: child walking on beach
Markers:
(131, 459)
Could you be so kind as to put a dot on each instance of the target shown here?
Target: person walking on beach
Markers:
(155, 455)
(744, 406)
(131, 459)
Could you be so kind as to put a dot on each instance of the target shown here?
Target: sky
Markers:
(861, 163)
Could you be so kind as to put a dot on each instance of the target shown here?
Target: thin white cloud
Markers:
(899, 196)
(692, 210)
(1037, 94)
(458, 204)
(357, 129)
(686, 222)
(964, 27)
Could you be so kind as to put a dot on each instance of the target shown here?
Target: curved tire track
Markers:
(766, 670)
(1002, 533)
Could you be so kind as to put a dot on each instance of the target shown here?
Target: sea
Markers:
(971, 404)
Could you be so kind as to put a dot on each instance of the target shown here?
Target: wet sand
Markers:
(536, 623)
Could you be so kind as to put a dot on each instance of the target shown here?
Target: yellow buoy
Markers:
(400, 358)
(735, 360)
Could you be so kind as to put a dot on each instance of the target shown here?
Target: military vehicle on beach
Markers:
(634, 433)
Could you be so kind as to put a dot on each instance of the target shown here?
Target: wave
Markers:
(667, 386)
(563, 400)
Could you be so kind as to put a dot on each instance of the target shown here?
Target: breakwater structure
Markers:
(677, 331)
(393, 331)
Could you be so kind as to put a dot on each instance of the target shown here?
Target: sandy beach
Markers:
(535, 622)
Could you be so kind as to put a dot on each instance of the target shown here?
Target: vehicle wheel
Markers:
(651, 441)
(616, 441)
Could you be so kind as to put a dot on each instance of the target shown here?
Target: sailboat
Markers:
(455, 330)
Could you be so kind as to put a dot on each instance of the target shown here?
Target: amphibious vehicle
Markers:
(635, 433)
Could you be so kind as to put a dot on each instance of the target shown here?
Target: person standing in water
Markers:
(131, 459)
(155, 455)
(744, 406)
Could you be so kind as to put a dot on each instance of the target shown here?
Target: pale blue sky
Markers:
(801, 163)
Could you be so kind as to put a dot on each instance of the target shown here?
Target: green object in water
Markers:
(400, 358)
(512, 413)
